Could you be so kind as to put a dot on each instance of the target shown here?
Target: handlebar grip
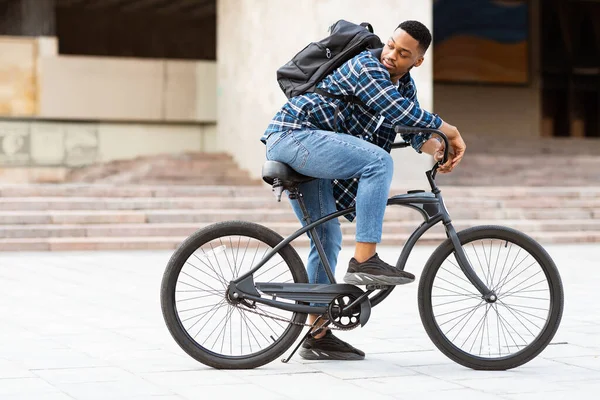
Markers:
(412, 130)
(399, 145)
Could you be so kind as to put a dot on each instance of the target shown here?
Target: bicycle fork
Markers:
(461, 258)
(459, 254)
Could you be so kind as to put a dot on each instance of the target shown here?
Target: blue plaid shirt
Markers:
(387, 106)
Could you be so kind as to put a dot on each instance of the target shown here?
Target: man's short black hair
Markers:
(418, 31)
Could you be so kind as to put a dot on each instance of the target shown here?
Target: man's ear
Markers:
(419, 61)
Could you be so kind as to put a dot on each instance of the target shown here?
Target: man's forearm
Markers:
(449, 130)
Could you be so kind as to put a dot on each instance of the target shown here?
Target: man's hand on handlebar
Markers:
(434, 147)
(457, 148)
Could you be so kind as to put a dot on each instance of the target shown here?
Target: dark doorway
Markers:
(173, 29)
(570, 67)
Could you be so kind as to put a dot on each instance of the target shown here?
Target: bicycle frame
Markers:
(429, 204)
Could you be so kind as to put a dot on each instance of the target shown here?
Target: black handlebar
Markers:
(411, 130)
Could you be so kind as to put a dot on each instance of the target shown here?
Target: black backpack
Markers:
(317, 60)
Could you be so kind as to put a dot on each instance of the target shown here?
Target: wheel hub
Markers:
(490, 298)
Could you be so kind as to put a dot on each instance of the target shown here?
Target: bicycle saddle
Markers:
(276, 169)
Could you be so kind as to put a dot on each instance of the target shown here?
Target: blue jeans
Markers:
(327, 156)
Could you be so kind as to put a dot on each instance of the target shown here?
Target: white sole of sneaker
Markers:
(359, 278)
(310, 354)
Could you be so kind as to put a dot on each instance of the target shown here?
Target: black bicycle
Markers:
(235, 294)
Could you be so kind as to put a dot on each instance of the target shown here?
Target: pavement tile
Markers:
(459, 394)
(38, 396)
(202, 376)
(55, 358)
(371, 367)
(120, 389)
(11, 369)
(399, 385)
(299, 386)
(60, 376)
(591, 362)
(228, 392)
(562, 395)
(89, 326)
(510, 385)
(25, 386)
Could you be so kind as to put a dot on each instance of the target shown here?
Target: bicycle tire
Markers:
(168, 302)
(555, 289)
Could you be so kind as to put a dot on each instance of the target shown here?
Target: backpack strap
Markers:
(368, 26)
(348, 98)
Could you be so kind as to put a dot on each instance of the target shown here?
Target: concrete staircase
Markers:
(509, 160)
(128, 216)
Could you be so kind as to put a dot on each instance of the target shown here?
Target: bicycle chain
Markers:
(330, 326)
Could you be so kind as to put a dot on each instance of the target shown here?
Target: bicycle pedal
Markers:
(376, 286)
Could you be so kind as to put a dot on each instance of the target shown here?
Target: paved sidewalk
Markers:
(88, 326)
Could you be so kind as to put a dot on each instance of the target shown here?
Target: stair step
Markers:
(170, 243)
(283, 228)
(256, 202)
(112, 190)
(136, 203)
(264, 215)
(170, 191)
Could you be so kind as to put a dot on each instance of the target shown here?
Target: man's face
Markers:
(400, 54)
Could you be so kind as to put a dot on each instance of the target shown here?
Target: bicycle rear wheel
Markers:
(491, 336)
(197, 313)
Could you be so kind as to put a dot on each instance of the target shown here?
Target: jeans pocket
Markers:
(287, 149)
(273, 140)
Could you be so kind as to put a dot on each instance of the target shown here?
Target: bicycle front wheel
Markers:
(195, 307)
(491, 336)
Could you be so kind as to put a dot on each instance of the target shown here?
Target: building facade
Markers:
(84, 82)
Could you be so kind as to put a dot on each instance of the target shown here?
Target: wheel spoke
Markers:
(267, 270)
(460, 287)
(479, 261)
(214, 292)
(472, 313)
(217, 260)
(496, 264)
(192, 298)
(206, 273)
(458, 276)
(450, 302)
(457, 293)
(494, 331)
(200, 282)
(501, 285)
(532, 285)
(210, 266)
(499, 289)
(243, 258)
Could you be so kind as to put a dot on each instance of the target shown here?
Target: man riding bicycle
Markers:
(346, 147)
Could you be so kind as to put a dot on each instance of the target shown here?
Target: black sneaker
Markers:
(329, 347)
(375, 271)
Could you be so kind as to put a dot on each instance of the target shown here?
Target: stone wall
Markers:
(58, 112)
(18, 89)
(36, 81)
(45, 151)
